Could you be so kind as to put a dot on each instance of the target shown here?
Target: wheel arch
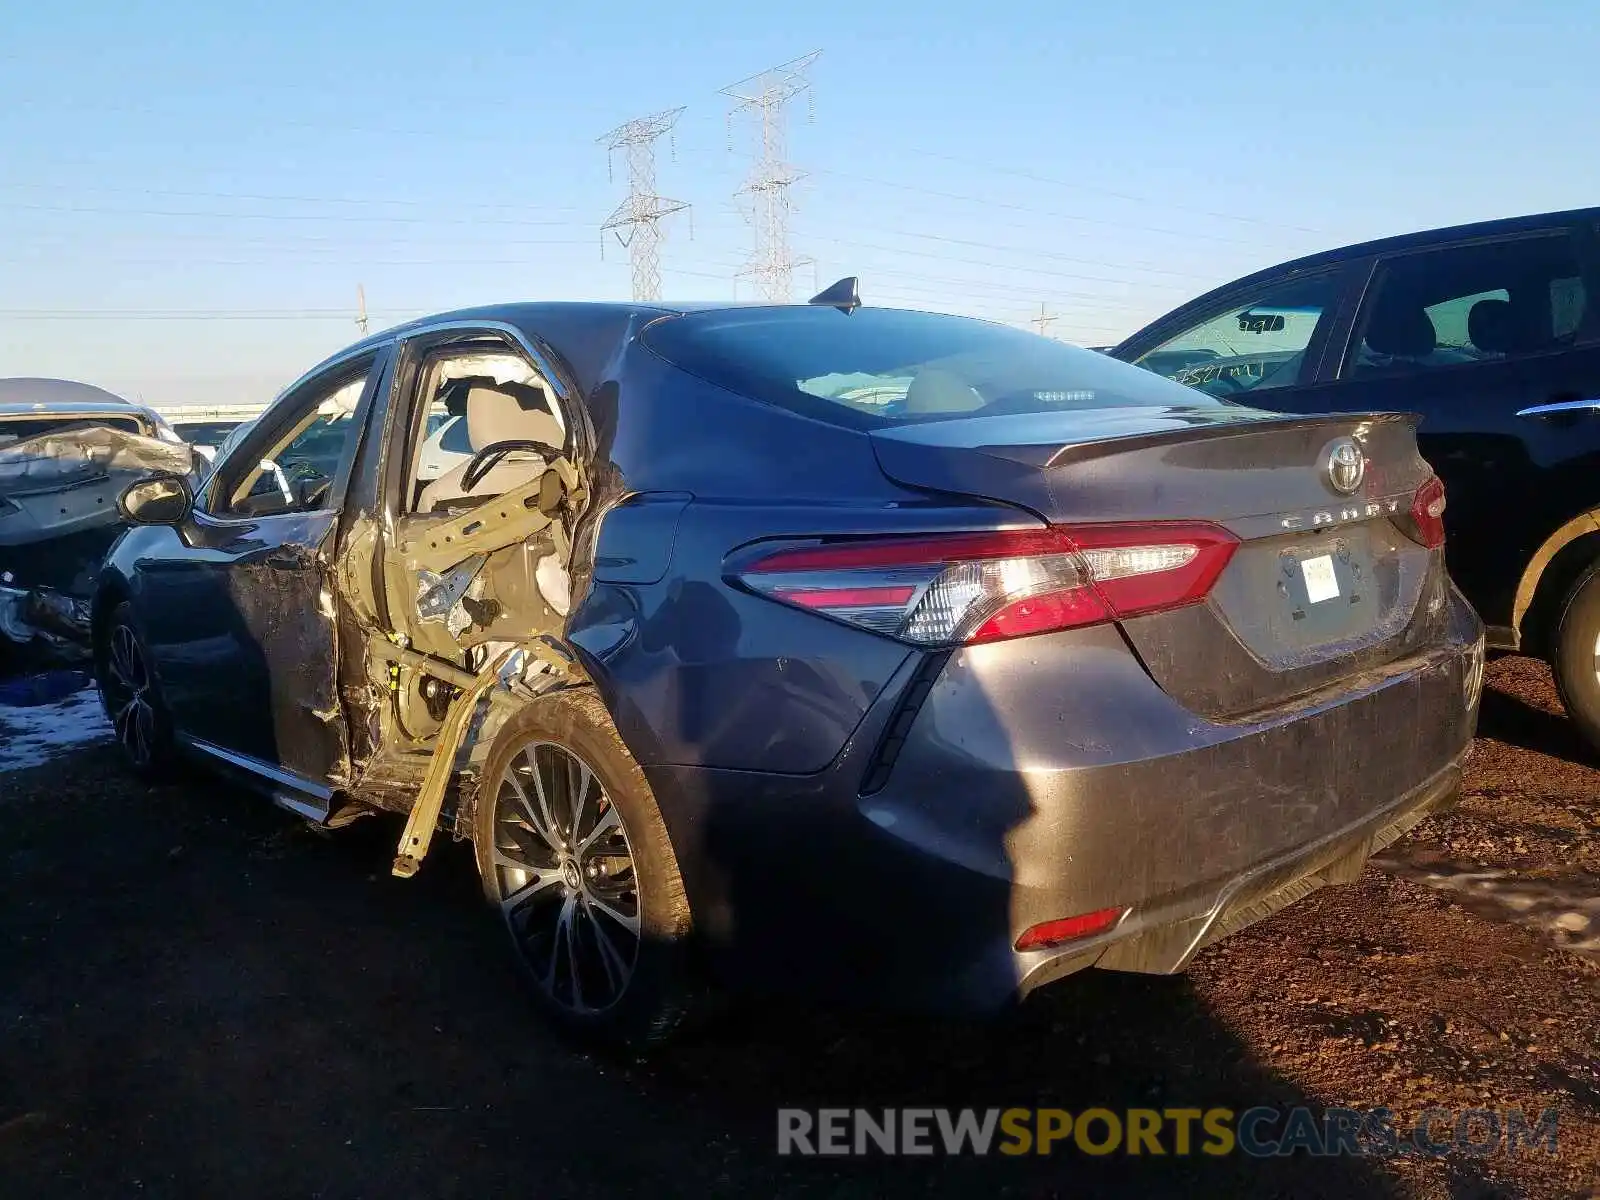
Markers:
(1548, 577)
(111, 591)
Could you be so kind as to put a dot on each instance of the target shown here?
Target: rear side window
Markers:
(1469, 304)
(883, 366)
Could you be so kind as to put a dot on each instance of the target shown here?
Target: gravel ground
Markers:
(200, 997)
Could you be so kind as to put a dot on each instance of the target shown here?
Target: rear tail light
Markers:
(1427, 513)
(1068, 929)
(951, 589)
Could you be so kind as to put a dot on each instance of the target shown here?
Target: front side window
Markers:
(883, 366)
(1469, 304)
(296, 472)
(1251, 344)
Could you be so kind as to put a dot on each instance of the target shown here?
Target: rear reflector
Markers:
(956, 588)
(1069, 929)
(1427, 512)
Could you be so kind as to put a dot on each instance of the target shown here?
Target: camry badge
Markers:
(1346, 466)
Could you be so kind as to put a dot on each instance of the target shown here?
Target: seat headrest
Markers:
(936, 391)
(505, 412)
(1499, 327)
(1400, 326)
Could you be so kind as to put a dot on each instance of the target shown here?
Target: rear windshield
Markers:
(881, 366)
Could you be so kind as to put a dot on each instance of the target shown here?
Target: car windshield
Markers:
(882, 366)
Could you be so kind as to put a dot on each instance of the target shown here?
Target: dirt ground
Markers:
(200, 997)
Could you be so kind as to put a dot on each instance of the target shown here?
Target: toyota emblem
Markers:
(1347, 466)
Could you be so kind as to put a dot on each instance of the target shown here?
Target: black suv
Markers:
(1492, 333)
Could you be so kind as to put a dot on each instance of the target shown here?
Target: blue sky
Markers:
(1107, 160)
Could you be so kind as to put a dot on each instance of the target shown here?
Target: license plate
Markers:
(1320, 580)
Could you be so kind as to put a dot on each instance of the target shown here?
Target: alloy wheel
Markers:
(568, 884)
(127, 685)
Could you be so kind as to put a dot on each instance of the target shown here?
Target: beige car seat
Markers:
(499, 412)
(934, 390)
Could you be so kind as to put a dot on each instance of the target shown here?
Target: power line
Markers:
(1002, 312)
(234, 216)
(313, 241)
(1010, 268)
(194, 314)
(459, 135)
(282, 199)
(643, 211)
(1025, 208)
(870, 287)
(765, 95)
(1110, 192)
(965, 286)
(1053, 256)
(1044, 212)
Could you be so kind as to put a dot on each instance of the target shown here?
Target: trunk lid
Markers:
(1325, 585)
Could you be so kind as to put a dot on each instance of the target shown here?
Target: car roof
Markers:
(1445, 233)
(532, 313)
(22, 394)
(1501, 227)
(89, 408)
(584, 332)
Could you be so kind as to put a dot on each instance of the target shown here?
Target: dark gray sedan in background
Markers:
(870, 653)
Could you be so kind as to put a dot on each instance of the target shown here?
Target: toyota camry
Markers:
(868, 653)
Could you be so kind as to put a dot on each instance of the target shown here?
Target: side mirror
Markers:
(160, 500)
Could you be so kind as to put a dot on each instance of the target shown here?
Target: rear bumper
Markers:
(1049, 777)
(1162, 935)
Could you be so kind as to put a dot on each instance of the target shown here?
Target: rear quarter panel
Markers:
(697, 671)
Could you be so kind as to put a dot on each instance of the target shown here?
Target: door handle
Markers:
(1557, 407)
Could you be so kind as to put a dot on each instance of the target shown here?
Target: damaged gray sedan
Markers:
(868, 653)
(67, 450)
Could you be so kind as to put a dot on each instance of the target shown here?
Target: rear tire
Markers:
(1575, 656)
(572, 849)
(131, 695)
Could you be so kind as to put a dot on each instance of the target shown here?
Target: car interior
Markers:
(1474, 304)
(512, 431)
(295, 475)
(1258, 346)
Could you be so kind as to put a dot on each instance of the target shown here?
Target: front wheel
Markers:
(132, 697)
(574, 853)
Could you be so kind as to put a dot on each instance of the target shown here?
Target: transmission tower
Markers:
(765, 194)
(1043, 321)
(361, 308)
(637, 220)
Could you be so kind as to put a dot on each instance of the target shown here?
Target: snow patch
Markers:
(33, 736)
